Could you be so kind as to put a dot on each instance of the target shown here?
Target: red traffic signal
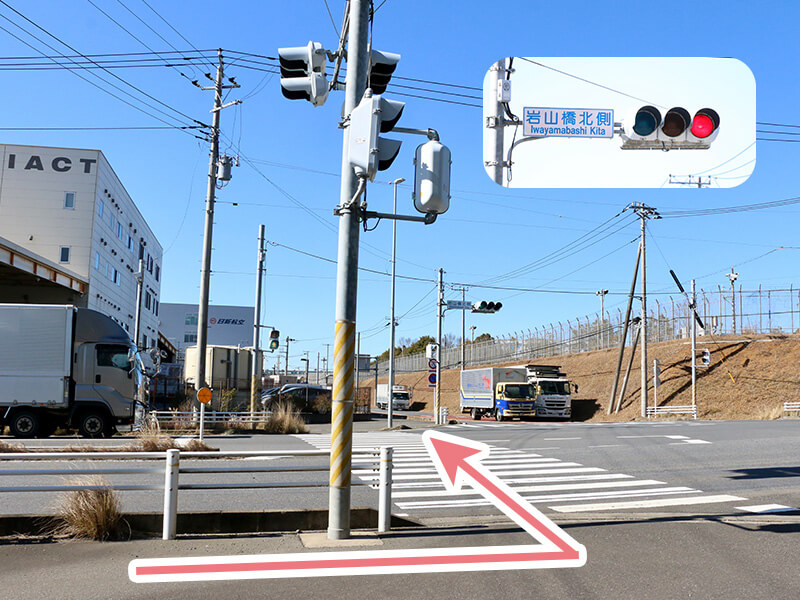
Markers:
(646, 129)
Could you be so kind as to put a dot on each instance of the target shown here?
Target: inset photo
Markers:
(590, 122)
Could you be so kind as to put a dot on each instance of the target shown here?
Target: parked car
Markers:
(304, 397)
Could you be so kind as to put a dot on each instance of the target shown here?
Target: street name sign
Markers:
(568, 122)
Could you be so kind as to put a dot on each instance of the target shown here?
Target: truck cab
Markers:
(551, 389)
(514, 400)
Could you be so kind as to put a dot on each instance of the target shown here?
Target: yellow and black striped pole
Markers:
(346, 284)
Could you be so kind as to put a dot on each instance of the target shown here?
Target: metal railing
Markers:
(654, 411)
(192, 419)
(380, 460)
(791, 407)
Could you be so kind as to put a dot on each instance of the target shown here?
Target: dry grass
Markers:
(8, 447)
(92, 514)
(770, 413)
(285, 419)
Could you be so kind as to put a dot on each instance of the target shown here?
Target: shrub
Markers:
(92, 514)
(285, 419)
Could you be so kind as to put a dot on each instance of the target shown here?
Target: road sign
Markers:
(432, 364)
(568, 122)
(459, 305)
(204, 395)
(458, 461)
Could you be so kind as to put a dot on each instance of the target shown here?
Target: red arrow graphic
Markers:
(458, 462)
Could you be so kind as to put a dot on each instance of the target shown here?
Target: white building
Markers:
(227, 325)
(68, 207)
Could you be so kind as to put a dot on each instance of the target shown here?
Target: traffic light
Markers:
(303, 73)
(678, 129)
(382, 66)
(368, 152)
(432, 178)
(274, 340)
(486, 307)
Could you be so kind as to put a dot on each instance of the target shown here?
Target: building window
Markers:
(149, 264)
(119, 230)
(144, 341)
(158, 273)
(189, 337)
(155, 307)
(111, 221)
(97, 260)
(69, 200)
(100, 207)
(130, 243)
(191, 320)
(64, 254)
(117, 277)
(147, 299)
(141, 251)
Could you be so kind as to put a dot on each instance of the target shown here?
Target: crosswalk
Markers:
(560, 486)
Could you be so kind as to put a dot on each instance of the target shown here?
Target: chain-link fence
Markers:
(722, 310)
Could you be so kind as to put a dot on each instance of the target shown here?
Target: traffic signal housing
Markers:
(382, 66)
(274, 340)
(303, 73)
(486, 307)
(432, 178)
(677, 129)
(368, 152)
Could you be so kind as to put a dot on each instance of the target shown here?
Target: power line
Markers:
(168, 24)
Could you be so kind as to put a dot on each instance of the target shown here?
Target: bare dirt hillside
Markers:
(749, 378)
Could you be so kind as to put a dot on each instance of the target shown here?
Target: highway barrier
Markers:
(380, 460)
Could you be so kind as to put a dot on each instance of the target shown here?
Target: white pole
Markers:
(171, 471)
(390, 406)
(385, 490)
(694, 349)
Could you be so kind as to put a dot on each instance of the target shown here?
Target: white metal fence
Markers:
(723, 311)
(379, 460)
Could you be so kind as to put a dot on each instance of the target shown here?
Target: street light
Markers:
(391, 309)
(602, 294)
(472, 329)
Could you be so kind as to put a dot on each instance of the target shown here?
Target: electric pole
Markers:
(600, 340)
(644, 213)
(138, 318)
(392, 324)
(286, 366)
(205, 270)
(463, 291)
(732, 276)
(694, 346)
(437, 391)
(256, 375)
(346, 282)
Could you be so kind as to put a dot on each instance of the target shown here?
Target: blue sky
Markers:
(488, 230)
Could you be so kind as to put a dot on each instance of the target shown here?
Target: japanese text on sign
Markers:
(568, 122)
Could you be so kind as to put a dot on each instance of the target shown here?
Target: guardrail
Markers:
(654, 411)
(791, 407)
(379, 459)
(192, 419)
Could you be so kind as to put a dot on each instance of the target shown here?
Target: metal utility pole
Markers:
(306, 382)
(463, 329)
(286, 366)
(732, 276)
(495, 122)
(256, 375)
(694, 347)
(346, 283)
(644, 213)
(437, 391)
(327, 361)
(624, 335)
(138, 318)
(390, 413)
(316, 378)
(600, 340)
(205, 270)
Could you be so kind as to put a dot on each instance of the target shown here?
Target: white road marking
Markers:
(646, 503)
(766, 508)
(559, 487)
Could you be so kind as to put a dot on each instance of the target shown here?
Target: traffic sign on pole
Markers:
(568, 122)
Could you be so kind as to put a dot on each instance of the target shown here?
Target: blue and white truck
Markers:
(501, 392)
(551, 389)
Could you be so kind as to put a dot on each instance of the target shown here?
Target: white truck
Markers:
(551, 389)
(401, 397)
(62, 366)
(501, 392)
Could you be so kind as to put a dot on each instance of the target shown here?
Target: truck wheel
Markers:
(498, 414)
(476, 414)
(94, 424)
(25, 424)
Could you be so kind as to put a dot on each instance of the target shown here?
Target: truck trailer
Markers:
(551, 389)
(401, 397)
(503, 393)
(62, 366)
